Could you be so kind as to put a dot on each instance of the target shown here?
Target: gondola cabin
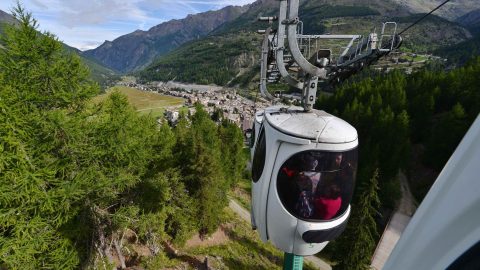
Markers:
(303, 174)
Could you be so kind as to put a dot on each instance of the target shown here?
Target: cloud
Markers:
(87, 23)
(39, 4)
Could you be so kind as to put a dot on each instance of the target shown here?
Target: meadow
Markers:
(143, 101)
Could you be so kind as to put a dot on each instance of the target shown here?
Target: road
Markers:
(244, 214)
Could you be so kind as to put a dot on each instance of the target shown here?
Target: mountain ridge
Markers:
(138, 49)
(471, 21)
(229, 67)
(6, 18)
(451, 11)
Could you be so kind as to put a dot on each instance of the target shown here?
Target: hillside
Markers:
(6, 18)
(461, 53)
(99, 73)
(138, 49)
(450, 11)
(216, 60)
(471, 21)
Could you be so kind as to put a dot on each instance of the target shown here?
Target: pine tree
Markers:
(356, 246)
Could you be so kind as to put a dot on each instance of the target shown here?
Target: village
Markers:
(239, 109)
(234, 107)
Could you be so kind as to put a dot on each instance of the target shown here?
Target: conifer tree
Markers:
(231, 147)
(206, 172)
(69, 172)
(198, 156)
(42, 73)
(357, 243)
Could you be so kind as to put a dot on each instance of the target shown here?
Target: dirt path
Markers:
(217, 238)
(396, 225)
(407, 203)
(244, 214)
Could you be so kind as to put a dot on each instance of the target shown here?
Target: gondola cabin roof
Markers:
(259, 116)
(315, 125)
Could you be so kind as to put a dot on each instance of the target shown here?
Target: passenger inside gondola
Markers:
(317, 185)
(328, 203)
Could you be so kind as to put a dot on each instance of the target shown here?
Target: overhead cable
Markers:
(423, 17)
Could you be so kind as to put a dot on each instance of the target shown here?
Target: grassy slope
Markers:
(145, 102)
(245, 250)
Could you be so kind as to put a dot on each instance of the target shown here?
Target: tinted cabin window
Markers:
(259, 156)
(252, 137)
(317, 185)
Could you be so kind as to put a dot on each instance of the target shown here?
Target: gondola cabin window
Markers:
(258, 162)
(317, 185)
(252, 136)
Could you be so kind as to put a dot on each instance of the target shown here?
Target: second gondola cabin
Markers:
(303, 174)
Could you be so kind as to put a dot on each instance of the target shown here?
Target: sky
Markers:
(86, 24)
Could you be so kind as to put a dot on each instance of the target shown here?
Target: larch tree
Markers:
(70, 170)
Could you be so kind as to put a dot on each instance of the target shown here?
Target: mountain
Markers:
(471, 21)
(138, 49)
(216, 59)
(450, 11)
(99, 73)
(6, 18)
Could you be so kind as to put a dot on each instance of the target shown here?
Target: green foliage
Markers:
(201, 168)
(36, 78)
(211, 60)
(246, 78)
(442, 107)
(358, 242)
(76, 175)
(459, 54)
(377, 109)
(233, 159)
(41, 72)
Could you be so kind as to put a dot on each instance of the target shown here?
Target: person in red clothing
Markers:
(328, 204)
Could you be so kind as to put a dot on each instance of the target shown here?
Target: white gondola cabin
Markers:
(303, 172)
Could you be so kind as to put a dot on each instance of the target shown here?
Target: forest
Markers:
(410, 123)
(75, 175)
